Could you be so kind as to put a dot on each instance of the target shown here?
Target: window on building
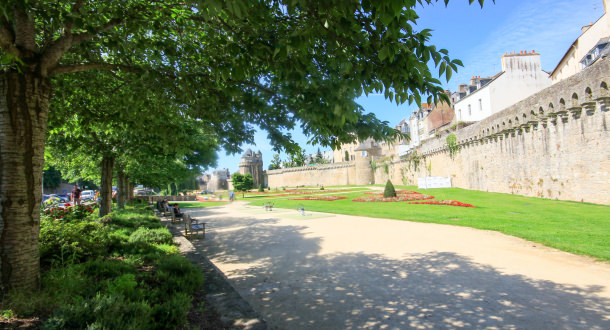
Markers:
(469, 110)
(460, 114)
(480, 105)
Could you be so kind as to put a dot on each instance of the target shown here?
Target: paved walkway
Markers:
(325, 271)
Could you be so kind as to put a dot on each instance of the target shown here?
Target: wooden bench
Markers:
(193, 226)
(174, 218)
(268, 206)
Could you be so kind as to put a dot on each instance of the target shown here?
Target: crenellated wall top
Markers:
(323, 167)
(581, 94)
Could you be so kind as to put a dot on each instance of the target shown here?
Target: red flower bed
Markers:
(401, 196)
(413, 197)
(318, 198)
(68, 212)
(444, 202)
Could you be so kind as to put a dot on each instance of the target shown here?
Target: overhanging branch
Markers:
(71, 68)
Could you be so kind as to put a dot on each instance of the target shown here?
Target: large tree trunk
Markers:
(106, 185)
(121, 187)
(24, 107)
(130, 190)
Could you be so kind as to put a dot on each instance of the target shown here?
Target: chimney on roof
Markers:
(586, 27)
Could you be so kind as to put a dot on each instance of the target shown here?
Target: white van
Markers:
(87, 195)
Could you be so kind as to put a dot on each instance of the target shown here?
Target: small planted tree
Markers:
(389, 190)
(260, 188)
(242, 183)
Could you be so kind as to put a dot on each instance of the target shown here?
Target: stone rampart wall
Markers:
(554, 144)
(328, 175)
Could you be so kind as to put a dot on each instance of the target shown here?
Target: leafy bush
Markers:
(125, 273)
(177, 274)
(62, 241)
(389, 190)
(452, 145)
(135, 220)
(102, 269)
(68, 213)
(104, 311)
(173, 310)
(260, 188)
(151, 236)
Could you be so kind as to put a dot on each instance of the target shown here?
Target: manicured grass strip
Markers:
(579, 228)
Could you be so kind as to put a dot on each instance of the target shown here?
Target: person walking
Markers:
(76, 195)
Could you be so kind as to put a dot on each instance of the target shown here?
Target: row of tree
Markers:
(150, 90)
(296, 159)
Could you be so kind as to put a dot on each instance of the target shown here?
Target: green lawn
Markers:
(579, 228)
(184, 205)
(280, 193)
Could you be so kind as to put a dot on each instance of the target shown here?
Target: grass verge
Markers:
(580, 228)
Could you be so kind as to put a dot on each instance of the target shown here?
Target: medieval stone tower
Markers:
(252, 163)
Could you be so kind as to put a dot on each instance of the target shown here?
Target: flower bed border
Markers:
(319, 198)
(401, 196)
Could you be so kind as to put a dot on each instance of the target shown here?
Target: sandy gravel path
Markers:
(327, 271)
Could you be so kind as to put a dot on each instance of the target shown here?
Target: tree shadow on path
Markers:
(278, 269)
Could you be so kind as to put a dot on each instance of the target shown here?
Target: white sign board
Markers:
(434, 182)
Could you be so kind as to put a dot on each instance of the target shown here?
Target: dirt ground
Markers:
(328, 271)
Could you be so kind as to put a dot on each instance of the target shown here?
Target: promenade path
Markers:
(326, 271)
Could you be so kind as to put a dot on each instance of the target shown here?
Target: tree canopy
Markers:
(224, 64)
(242, 182)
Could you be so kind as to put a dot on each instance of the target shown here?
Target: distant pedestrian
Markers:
(232, 196)
(76, 195)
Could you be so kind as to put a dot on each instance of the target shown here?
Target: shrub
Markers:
(173, 310)
(389, 190)
(104, 311)
(151, 236)
(321, 187)
(260, 188)
(107, 268)
(126, 274)
(135, 220)
(177, 274)
(71, 241)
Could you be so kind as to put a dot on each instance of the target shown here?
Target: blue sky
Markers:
(478, 37)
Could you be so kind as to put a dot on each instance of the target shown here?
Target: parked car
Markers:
(63, 198)
(50, 200)
(87, 195)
